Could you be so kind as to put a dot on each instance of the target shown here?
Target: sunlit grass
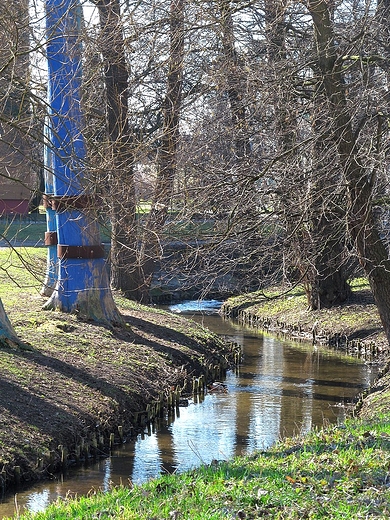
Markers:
(340, 472)
(288, 308)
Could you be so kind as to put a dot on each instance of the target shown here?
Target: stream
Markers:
(282, 388)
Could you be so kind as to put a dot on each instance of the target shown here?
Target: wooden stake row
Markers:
(97, 445)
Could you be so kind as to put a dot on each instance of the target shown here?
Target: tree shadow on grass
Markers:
(33, 409)
(125, 383)
(84, 376)
(364, 333)
(168, 335)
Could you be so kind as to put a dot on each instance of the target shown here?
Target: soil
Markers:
(75, 384)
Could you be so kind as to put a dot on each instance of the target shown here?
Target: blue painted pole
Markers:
(83, 284)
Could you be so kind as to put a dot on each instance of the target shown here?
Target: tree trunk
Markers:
(51, 238)
(327, 273)
(317, 241)
(235, 83)
(83, 283)
(327, 268)
(362, 227)
(120, 180)
(151, 249)
(8, 336)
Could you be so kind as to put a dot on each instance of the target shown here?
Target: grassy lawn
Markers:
(23, 231)
(338, 472)
(33, 232)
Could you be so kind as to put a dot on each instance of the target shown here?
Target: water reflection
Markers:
(281, 389)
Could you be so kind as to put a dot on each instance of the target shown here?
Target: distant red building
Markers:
(14, 207)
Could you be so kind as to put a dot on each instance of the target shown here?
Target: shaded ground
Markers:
(77, 382)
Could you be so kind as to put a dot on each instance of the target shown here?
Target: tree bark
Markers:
(125, 275)
(8, 336)
(151, 249)
(235, 83)
(83, 283)
(371, 251)
(317, 243)
(327, 268)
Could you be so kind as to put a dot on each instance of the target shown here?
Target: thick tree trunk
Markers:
(316, 242)
(125, 275)
(327, 268)
(371, 250)
(327, 273)
(83, 283)
(151, 249)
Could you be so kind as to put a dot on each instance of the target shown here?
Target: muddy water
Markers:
(281, 388)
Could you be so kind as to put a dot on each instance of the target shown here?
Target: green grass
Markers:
(275, 306)
(22, 272)
(22, 231)
(33, 230)
(340, 472)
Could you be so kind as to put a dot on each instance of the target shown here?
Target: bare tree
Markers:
(16, 171)
(119, 181)
(16, 168)
(362, 225)
(150, 250)
(83, 283)
(235, 80)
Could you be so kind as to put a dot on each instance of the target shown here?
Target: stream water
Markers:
(281, 388)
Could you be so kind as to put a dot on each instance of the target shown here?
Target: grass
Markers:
(22, 231)
(81, 374)
(32, 230)
(340, 472)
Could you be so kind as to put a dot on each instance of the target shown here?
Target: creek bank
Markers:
(81, 387)
(340, 471)
(354, 326)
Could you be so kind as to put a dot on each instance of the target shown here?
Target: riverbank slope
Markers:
(353, 326)
(75, 387)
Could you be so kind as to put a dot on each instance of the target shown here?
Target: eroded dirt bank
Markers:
(79, 385)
